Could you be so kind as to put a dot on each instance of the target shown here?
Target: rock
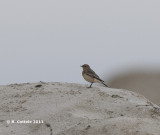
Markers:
(73, 109)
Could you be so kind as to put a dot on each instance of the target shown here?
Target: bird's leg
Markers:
(90, 85)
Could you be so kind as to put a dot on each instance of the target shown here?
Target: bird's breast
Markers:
(88, 78)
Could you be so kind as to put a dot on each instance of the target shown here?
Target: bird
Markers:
(90, 76)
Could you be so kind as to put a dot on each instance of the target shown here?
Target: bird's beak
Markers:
(81, 66)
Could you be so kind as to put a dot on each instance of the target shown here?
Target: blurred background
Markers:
(49, 40)
(140, 80)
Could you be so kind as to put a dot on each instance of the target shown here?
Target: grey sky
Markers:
(48, 40)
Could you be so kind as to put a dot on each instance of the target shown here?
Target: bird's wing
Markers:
(93, 74)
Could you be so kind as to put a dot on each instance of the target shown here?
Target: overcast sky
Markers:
(48, 40)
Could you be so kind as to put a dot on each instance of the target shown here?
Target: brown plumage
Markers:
(90, 76)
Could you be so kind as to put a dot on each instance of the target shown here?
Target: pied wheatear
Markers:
(90, 76)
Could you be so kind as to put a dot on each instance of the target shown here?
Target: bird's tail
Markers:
(104, 84)
(100, 81)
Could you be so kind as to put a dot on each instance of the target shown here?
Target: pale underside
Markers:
(90, 79)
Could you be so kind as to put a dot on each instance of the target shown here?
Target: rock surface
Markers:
(73, 109)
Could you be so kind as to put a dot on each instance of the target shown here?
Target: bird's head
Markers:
(85, 66)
